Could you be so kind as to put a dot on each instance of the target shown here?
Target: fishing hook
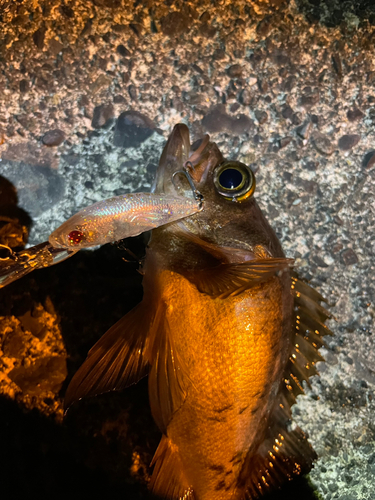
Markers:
(197, 195)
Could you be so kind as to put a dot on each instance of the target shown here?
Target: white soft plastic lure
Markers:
(104, 222)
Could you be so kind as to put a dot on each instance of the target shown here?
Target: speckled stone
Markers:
(53, 138)
(355, 114)
(349, 257)
(348, 141)
(322, 143)
(102, 115)
(132, 128)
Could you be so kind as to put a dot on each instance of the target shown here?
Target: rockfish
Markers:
(225, 331)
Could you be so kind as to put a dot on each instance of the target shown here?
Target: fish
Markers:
(106, 221)
(226, 332)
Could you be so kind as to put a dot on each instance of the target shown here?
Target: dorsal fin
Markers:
(285, 451)
(168, 479)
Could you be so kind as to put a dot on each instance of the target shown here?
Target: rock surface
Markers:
(286, 87)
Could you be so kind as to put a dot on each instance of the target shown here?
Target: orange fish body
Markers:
(224, 331)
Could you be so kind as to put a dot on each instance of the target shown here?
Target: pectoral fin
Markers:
(168, 376)
(231, 279)
(116, 361)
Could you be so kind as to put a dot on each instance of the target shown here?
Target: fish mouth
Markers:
(196, 160)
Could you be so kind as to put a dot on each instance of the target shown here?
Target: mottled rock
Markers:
(245, 97)
(297, 118)
(46, 374)
(349, 257)
(122, 50)
(175, 24)
(355, 114)
(133, 92)
(348, 141)
(336, 63)
(261, 116)
(284, 141)
(217, 120)
(39, 187)
(24, 86)
(369, 160)
(310, 99)
(241, 124)
(287, 112)
(101, 82)
(304, 130)
(102, 115)
(119, 99)
(53, 138)
(235, 71)
(39, 37)
(322, 143)
(132, 128)
(265, 26)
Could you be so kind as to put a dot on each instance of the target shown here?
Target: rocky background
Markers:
(89, 91)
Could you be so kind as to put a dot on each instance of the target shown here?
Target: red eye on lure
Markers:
(75, 237)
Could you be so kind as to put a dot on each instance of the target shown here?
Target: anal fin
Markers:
(168, 479)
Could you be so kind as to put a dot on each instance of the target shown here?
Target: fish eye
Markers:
(234, 180)
(75, 237)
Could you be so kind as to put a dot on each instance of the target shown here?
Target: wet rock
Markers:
(261, 116)
(284, 141)
(245, 97)
(24, 86)
(102, 115)
(235, 71)
(234, 107)
(218, 55)
(322, 144)
(101, 82)
(348, 141)
(217, 120)
(369, 160)
(133, 93)
(46, 374)
(119, 99)
(349, 257)
(132, 128)
(304, 130)
(39, 37)
(288, 84)
(310, 99)
(287, 112)
(53, 138)
(122, 51)
(241, 124)
(336, 63)
(355, 114)
(15, 344)
(297, 118)
(175, 24)
(39, 187)
(265, 26)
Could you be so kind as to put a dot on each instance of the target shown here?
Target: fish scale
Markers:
(228, 366)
